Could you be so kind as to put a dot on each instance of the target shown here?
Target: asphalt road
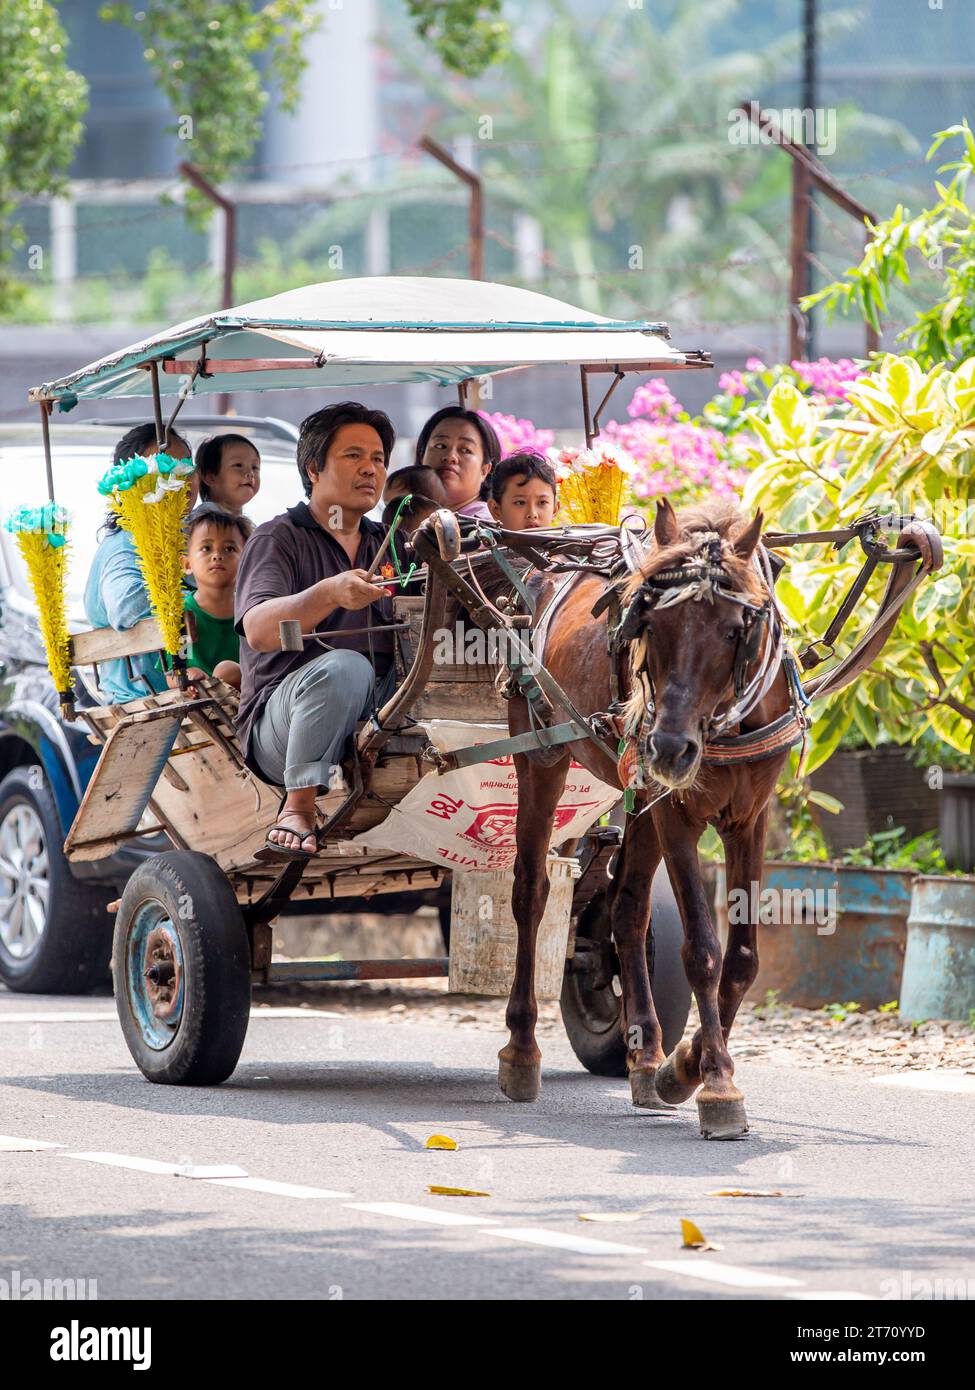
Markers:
(328, 1116)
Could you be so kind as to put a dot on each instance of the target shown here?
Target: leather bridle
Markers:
(702, 576)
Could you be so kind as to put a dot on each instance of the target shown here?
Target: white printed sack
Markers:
(466, 819)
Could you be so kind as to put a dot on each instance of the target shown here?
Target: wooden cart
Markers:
(193, 926)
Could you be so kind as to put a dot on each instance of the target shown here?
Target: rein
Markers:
(613, 553)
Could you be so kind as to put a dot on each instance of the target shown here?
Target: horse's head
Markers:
(695, 618)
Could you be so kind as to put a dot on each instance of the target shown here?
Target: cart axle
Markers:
(356, 970)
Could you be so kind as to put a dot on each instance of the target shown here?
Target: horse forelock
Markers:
(722, 519)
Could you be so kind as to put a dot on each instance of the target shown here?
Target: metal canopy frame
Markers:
(160, 356)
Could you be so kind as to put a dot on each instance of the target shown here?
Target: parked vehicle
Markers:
(55, 933)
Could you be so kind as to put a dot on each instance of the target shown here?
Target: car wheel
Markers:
(55, 932)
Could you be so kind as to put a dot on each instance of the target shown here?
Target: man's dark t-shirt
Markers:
(284, 556)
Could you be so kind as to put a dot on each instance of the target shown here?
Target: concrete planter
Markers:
(939, 967)
(840, 933)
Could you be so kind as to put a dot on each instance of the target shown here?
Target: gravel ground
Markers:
(772, 1032)
(794, 1037)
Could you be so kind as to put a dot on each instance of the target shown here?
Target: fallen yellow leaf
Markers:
(455, 1191)
(694, 1238)
(441, 1141)
(741, 1192)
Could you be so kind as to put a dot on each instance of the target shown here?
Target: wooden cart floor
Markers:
(180, 760)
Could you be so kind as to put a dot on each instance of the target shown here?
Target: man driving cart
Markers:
(298, 708)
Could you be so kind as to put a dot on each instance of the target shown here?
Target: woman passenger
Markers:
(116, 594)
(462, 448)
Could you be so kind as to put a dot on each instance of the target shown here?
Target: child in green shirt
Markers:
(214, 542)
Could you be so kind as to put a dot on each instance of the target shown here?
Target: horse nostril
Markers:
(690, 751)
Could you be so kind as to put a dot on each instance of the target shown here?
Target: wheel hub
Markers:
(24, 881)
(162, 974)
(155, 975)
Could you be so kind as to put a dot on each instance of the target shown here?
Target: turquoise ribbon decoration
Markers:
(51, 520)
(124, 475)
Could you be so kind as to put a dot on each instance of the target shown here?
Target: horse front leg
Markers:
(721, 1106)
(539, 789)
(744, 856)
(630, 916)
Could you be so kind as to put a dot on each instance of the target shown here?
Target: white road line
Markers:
(830, 1295)
(957, 1081)
(91, 1016)
(582, 1245)
(142, 1165)
(10, 1145)
(276, 1189)
(106, 1016)
(288, 1012)
(211, 1172)
(410, 1213)
(698, 1267)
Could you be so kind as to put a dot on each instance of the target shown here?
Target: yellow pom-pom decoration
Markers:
(149, 496)
(41, 534)
(592, 483)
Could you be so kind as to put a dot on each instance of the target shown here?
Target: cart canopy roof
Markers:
(367, 332)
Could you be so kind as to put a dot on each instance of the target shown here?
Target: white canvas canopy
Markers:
(366, 332)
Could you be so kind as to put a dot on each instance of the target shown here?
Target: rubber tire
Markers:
(75, 950)
(200, 902)
(603, 1051)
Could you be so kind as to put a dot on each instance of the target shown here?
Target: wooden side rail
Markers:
(105, 644)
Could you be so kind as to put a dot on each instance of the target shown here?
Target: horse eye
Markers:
(733, 634)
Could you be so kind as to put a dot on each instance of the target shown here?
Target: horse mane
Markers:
(717, 517)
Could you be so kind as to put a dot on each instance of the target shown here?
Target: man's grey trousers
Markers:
(299, 737)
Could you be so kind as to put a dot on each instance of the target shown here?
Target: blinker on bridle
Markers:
(702, 580)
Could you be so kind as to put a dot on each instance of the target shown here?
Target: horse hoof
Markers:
(671, 1082)
(644, 1091)
(722, 1117)
(521, 1083)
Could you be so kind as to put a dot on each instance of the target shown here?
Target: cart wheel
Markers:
(182, 970)
(591, 1008)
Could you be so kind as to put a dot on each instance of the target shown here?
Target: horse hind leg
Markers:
(539, 789)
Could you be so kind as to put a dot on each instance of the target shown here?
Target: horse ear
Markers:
(747, 541)
(665, 527)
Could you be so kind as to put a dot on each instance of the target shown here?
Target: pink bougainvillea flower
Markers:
(732, 383)
(828, 379)
(515, 435)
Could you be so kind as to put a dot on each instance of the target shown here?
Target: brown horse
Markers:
(680, 668)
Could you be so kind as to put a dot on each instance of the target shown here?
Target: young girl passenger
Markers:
(229, 469)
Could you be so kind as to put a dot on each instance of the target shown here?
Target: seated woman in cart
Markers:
(297, 709)
(116, 594)
(462, 448)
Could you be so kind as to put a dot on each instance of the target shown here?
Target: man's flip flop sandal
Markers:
(272, 853)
